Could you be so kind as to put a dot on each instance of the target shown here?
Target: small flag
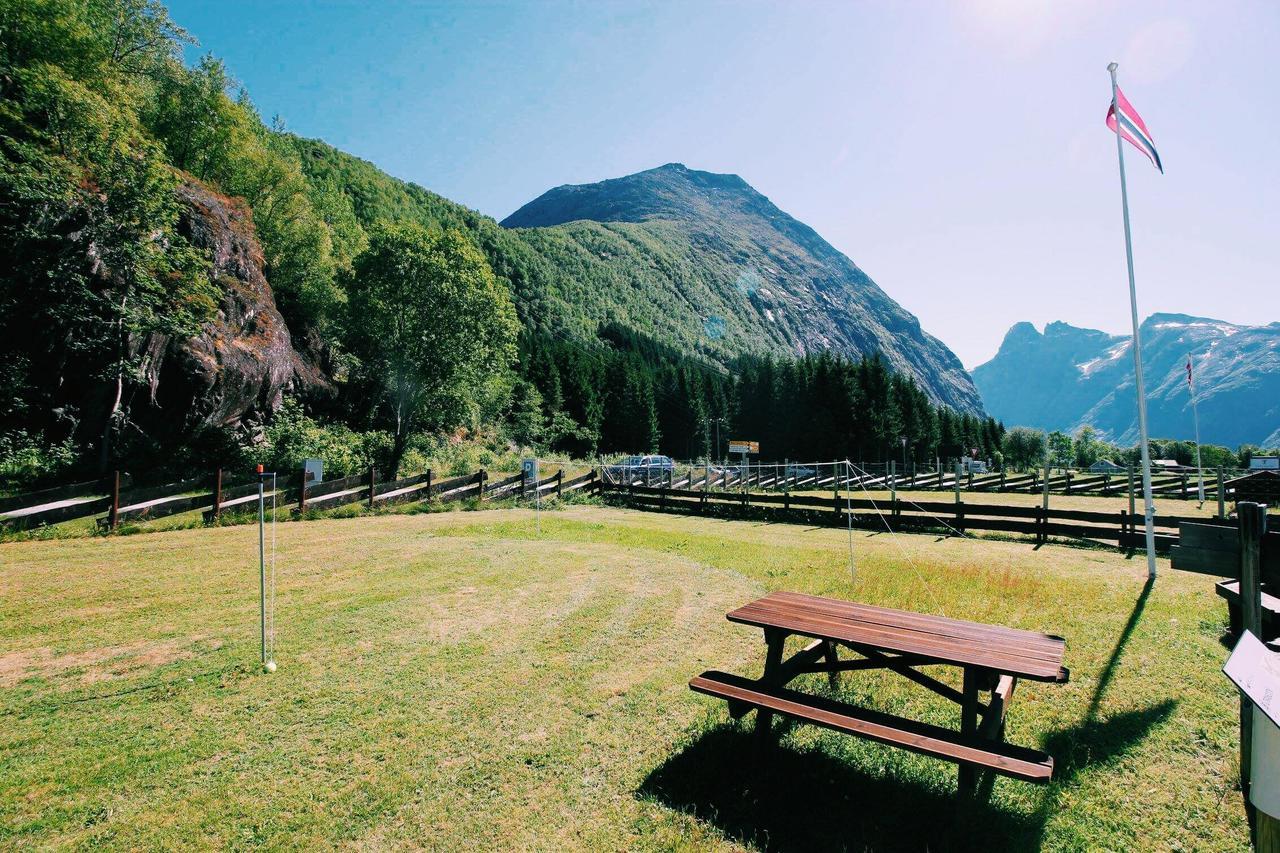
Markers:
(1188, 371)
(1133, 128)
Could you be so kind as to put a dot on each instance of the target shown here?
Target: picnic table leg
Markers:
(967, 776)
(829, 652)
(775, 640)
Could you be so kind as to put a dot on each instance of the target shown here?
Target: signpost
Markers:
(529, 474)
(744, 449)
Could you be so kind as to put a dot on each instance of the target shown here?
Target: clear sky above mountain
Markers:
(957, 152)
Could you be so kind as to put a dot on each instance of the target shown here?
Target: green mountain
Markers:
(172, 269)
(699, 261)
(706, 262)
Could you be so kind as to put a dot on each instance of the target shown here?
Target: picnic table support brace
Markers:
(967, 775)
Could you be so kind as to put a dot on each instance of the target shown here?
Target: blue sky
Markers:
(956, 151)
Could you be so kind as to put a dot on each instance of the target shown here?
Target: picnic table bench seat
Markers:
(992, 658)
(1007, 759)
(1270, 612)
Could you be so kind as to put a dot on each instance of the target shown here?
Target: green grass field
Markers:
(466, 680)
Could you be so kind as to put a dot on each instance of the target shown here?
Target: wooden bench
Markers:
(1270, 611)
(992, 659)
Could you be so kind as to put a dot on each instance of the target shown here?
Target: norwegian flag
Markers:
(1133, 128)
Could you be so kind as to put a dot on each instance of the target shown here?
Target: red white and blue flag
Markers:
(1133, 128)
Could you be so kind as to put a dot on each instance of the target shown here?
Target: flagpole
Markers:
(1195, 417)
(1149, 508)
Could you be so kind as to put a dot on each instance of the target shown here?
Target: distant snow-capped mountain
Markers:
(1067, 377)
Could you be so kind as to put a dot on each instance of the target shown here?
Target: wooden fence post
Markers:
(1222, 494)
(217, 494)
(481, 476)
(114, 517)
(960, 516)
(559, 482)
(1131, 496)
(1252, 521)
(373, 479)
(302, 492)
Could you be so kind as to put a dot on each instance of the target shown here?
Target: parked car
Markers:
(653, 467)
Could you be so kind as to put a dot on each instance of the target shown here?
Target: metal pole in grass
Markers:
(268, 662)
(262, 564)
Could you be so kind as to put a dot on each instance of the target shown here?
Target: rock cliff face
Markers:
(1068, 377)
(244, 359)
(706, 261)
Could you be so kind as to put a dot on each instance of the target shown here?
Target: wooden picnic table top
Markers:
(1025, 654)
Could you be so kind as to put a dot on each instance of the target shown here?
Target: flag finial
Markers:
(1112, 67)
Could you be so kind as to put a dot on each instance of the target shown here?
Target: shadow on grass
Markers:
(1095, 741)
(1109, 670)
(788, 800)
(785, 799)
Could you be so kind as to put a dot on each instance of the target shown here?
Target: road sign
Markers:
(744, 447)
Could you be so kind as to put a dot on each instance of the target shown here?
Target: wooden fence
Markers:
(1120, 528)
(215, 495)
(882, 476)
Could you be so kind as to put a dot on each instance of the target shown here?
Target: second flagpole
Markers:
(1149, 506)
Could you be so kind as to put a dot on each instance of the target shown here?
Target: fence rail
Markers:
(885, 476)
(1121, 528)
(214, 496)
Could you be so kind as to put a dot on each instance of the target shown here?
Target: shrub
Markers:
(26, 459)
(293, 436)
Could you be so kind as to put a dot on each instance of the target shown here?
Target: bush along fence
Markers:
(113, 501)
(1123, 529)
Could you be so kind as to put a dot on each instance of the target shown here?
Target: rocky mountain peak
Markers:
(745, 264)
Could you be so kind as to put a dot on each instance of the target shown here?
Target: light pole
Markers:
(717, 422)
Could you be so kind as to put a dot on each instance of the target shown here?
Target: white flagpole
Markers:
(1149, 508)
(1195, 416)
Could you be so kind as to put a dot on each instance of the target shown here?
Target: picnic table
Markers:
(992, 659)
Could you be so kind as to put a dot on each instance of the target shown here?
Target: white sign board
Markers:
(744, 447)
(313, 470)
(1264, 463)
(1255, 669)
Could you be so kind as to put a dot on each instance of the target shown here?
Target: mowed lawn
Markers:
(468, 681)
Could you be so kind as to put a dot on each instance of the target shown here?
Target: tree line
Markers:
(634, 395)
(1024, 449)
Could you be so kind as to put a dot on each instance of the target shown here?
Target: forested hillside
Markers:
(180, 282)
